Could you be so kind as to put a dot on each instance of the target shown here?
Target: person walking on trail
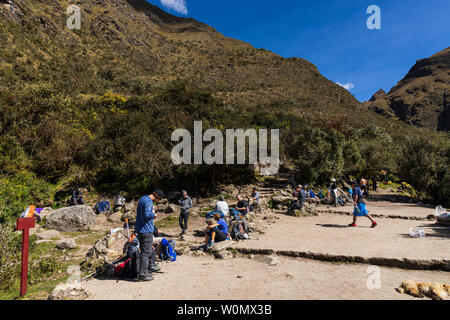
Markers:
(360, 206)
(333, 192)
(222, 206)
(185, 203)
(145, 228)
(77, 197)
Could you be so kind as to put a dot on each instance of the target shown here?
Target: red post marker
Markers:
(24, 224)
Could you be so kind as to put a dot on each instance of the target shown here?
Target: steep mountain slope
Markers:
(422, 98)
(130, 46)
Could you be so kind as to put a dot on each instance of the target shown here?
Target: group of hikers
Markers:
(216, 230)
(224, 221)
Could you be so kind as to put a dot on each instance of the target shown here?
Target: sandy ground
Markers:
(204, 277)
(389, 208)
(328, 233)
(198, 278)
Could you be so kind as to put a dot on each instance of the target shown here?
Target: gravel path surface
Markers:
(198, 278)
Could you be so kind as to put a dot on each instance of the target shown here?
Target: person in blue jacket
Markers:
(144, 228)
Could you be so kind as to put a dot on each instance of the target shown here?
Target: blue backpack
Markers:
(235, 214)
(210, 215)
(168, 250)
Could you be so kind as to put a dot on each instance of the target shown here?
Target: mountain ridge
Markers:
(422, 97)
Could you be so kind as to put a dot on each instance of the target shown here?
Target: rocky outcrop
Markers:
(422, 97)
(72, 219)
(109, 247)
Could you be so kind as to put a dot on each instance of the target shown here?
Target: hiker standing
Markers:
(144, 228)
(186, 203)
(77, 197)
(333, 192)
(360, 206)
(374, 183)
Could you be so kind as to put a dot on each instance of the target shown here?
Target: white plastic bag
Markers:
(441, 212)
(417, 232)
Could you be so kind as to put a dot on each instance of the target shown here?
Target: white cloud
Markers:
(176, 5)
(348, 86)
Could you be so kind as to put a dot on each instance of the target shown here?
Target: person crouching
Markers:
(216, 231)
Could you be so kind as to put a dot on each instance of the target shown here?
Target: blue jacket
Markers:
(103, 206)
(145, 216)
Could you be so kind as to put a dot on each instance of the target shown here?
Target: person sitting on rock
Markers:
(213, 234)
(296, 191)
(254, 198)
(77, 197)
(242, 205)
(301, 199)
(186, 203)
(222, 206)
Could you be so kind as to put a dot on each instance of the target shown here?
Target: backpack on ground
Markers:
(168, 250)
(238, 231)
(236, 215)
(210, 215)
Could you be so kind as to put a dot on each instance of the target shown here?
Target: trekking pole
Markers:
(101, 269)
(128, 229)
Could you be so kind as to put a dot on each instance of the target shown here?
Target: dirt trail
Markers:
(199, 278)
(204, 277)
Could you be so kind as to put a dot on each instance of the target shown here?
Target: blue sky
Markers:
(333, 34)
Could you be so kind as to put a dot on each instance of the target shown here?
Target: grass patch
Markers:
(167, 222)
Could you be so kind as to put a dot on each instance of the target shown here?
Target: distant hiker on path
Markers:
(145, 229)
(360, 206)
(77, 197)
(186, 203)
(222, 206)
(374, 183)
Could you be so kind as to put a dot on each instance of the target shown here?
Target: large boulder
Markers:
(115, 217)
(66, 244)
(282, 200)
(72, 219)
(172, 208)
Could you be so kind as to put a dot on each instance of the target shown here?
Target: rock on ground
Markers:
(72, 219)
(66, 244)
(109, 247)
(435, 291)
(115, 217)
(48, 235)
(64, 291)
